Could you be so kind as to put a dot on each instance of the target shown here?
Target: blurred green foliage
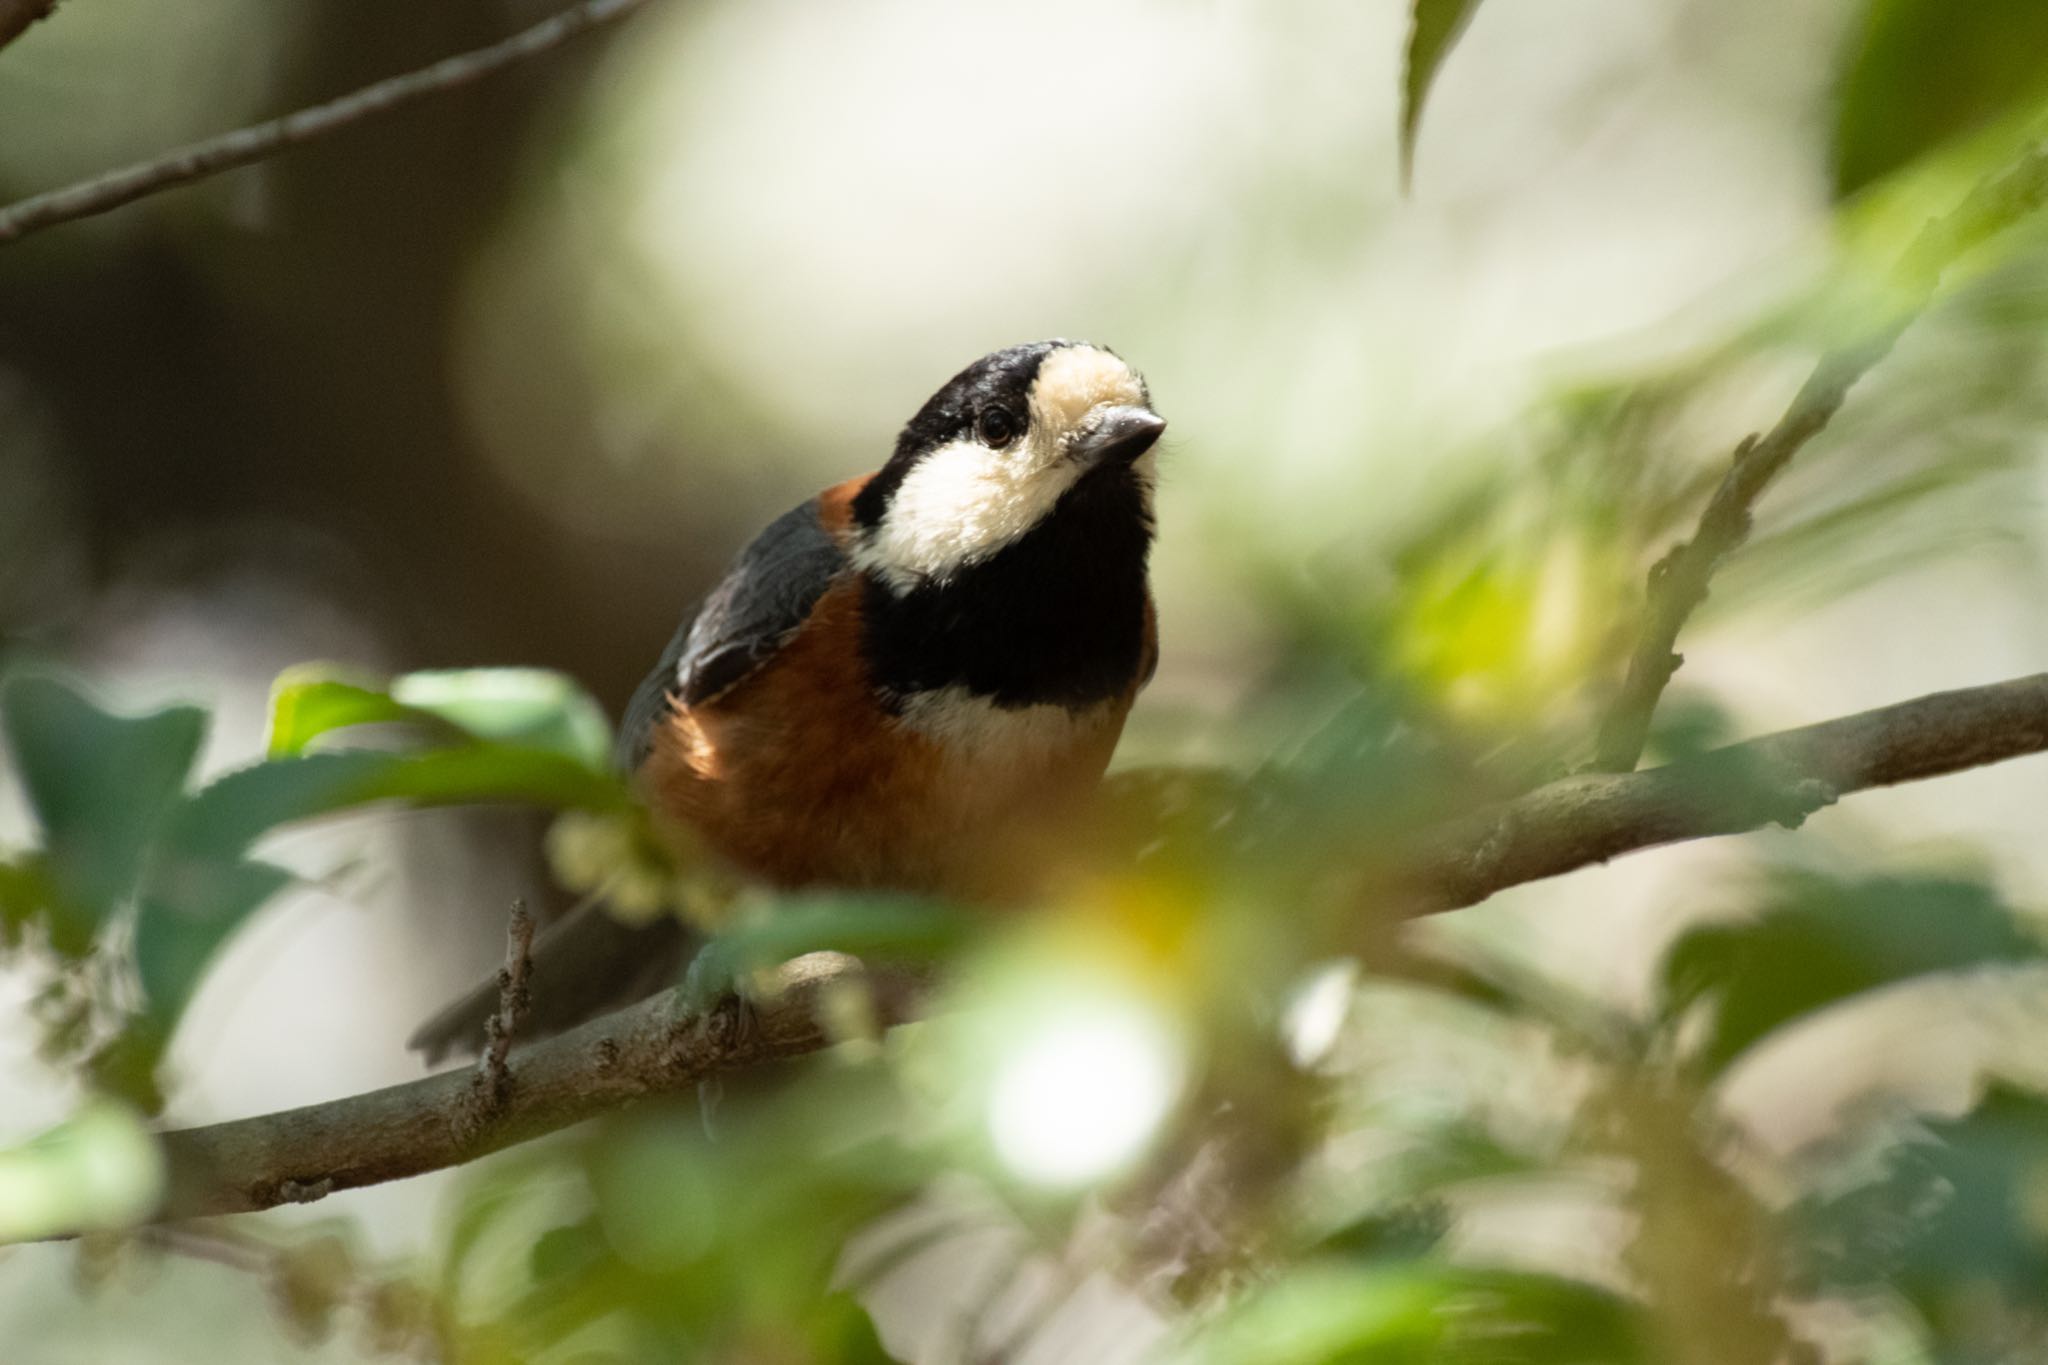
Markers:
(142, 877)
(1813, 942)
(1921, 73)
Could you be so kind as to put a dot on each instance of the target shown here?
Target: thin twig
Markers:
(17, 15)
(199, 160)
(655, 1048)
(1678, 582)
(493, 1076)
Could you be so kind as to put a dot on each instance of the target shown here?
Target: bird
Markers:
(911, 682)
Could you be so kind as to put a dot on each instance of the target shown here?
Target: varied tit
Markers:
(906, 682)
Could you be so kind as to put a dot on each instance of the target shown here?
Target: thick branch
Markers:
(246, 145)
(17, 15)
(1678, 581)
(652, 1048)
(1779, 779)
(426, 1125)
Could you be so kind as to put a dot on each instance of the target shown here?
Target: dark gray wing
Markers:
(761, 601)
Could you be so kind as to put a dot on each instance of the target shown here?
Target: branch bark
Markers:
(200, 160)
(17, 15)
(1778, 779)
(1678, 582)
(654, 1048)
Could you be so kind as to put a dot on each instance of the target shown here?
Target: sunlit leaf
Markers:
(306, 703)
(100, 785)
(101, 1169)
(528, 707)
(524, 707)
(1818, 941)
(1920, 73)
(1435, 27)
(1423, 1313)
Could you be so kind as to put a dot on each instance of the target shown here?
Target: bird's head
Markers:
(998, 451)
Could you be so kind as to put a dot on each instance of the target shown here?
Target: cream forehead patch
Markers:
(1076, 380)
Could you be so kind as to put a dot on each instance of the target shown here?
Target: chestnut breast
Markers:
(800, 776)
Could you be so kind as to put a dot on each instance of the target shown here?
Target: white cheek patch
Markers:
(961, 503)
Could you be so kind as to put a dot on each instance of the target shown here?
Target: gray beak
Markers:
(1119, 435)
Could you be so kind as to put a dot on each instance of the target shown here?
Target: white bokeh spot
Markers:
(1078, 1096)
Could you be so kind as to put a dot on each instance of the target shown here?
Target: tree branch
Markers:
(1678, 581)
(200, 160)
(1778, 779)
(653, 1048)
(425, 1125)
(17, 15)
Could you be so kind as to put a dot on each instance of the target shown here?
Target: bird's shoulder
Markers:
(766, 595)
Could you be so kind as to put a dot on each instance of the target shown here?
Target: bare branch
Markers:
(1678, 581)
(425, 1125)
(654, 1048)
(200, 160)
(17, 15)
(1779, 779)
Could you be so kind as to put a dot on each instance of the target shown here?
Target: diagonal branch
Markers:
(1678, 582)
(17, 15)
(200, 160)
(1778, 779)
(655, 1048)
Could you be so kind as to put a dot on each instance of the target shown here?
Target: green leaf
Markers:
(24, 895)
(527, 707)
(530, 707)
(900, 928)
(1423, 1313)
(491, 773)
(1434, 29)
(1819, 942)
(1953, 1217)
(306, 703)
(189, 910)
(201, 885)
(1921, 73)
(231, 813)
(100, 784)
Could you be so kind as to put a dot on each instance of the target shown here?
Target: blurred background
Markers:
(507, 378)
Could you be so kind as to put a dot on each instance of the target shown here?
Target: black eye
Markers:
(996, 427)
